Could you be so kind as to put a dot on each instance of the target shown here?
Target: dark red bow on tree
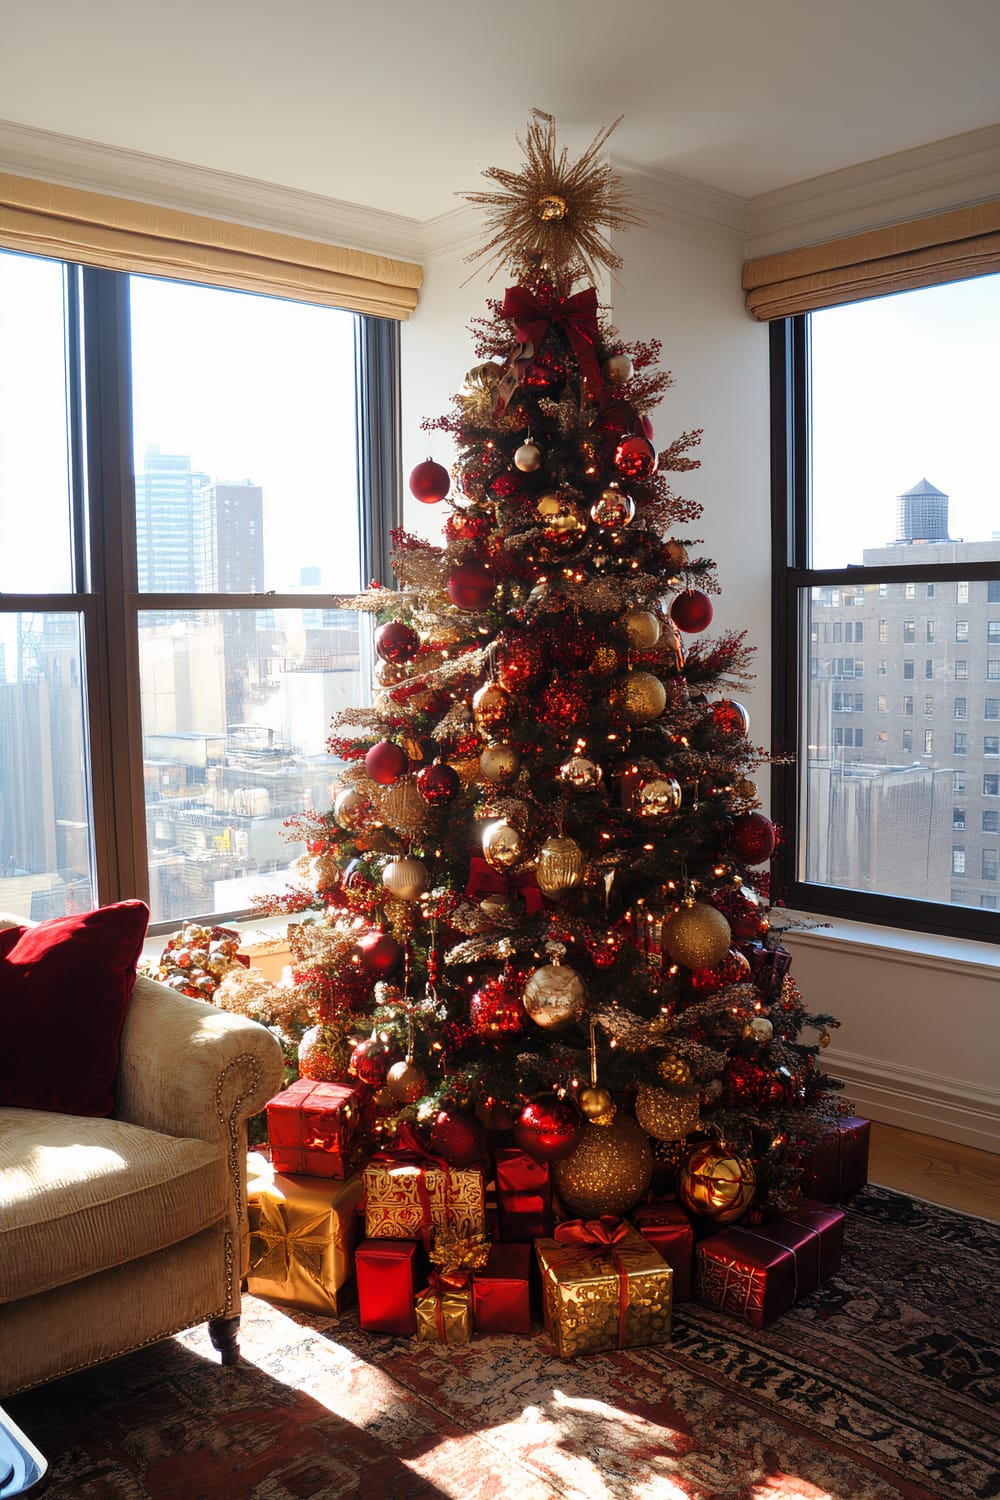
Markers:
(533, 316)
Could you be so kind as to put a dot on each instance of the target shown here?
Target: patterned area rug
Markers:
(883, 1385)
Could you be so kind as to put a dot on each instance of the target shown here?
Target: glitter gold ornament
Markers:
(642, 628)
(669, 1117)
(640, 696)
(713, 1182)
(492, 708)
(554, 996)
(505, 846)
(403, 808)
(608, 1172)
(406, 878)
(560, 866)
(659, 796)
(564, 524)
(673, 554)
(500, 763)
(606, 661)
(674, 1069)
(405, 1081)
(697, 936)
(324, 1054)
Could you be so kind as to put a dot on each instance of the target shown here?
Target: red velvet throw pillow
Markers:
(65, 986)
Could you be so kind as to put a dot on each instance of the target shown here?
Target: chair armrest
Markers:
(190, 1069)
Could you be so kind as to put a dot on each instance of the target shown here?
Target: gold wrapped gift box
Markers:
(612, 1291)
(302, 1237)
(405, 1200)
(444, 1310)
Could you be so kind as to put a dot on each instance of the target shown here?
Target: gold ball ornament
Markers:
(714, 1183)
(505, 846)
(324, 874)
(762, 1030)
(564, 523)
(612, 508)
(674, 554)
(608, 1172)
(642, 628)
(598, 1105)
(668, 1117)
(406, 1082)
(561, 866)
(406, 878)
(697, 936)
(659, 796)
(581, 774)
(617, 368)
(552, 208)
(492, 708)
(324, 1054)
(500, 764)
(554, 996)
(640, 696)
(528, 458)
(403, 808)
(824, 1039)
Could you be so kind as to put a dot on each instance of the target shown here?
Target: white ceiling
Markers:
(399, 104)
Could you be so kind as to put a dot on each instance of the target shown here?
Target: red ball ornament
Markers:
(496, 1009)
(438, 784)
(562, 705)
(616, 417)
(385, 762)
(510, 485)
(379, 953)
(396, 642)
(520, 662)
(430, 482)
(734, 969)
(752, 838)
(471, 586)
(741, 912)
(548, 1128)
(370, 1061)
(692, 611)
(461, 526)
(635, 457)
(459, 1136)
(573, 648)
(730, 717)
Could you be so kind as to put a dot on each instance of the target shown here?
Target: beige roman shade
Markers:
(925, 252)
(43, 218)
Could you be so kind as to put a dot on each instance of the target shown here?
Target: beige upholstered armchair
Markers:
(116, 1232)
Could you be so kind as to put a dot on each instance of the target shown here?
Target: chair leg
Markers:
(225, 1336)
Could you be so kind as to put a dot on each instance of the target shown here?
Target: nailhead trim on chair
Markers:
(232, 1120)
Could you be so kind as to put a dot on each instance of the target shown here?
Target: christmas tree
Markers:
(539, 901)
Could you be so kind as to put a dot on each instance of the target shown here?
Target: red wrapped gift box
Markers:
(501, 1299)
(388, 1273)
(524, 1196)
(838, 1166)
(757, 1274)
(668, 1229)
(320, 1129)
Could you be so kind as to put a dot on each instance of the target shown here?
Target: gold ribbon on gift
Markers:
(302, 1233)
(456, 1252)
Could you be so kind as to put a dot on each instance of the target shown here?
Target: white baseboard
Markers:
(942, 1107)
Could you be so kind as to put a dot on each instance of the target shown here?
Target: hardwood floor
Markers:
(938, 1171)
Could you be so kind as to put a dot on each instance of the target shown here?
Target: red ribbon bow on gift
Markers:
(533, 316)
(409, 1150)
(599, 1237)
(486, 882)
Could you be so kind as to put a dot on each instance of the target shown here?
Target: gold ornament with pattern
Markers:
(554, 996)
(561, 866)
(669, 1117)
(716, 1183)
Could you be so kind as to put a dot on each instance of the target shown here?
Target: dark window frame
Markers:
(791, 573)
(103, 591)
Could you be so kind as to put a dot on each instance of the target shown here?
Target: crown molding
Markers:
(456, 232)
(72, 162)
(952, 173)
(680, 207)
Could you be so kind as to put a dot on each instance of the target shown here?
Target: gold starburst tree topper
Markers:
(554, 213)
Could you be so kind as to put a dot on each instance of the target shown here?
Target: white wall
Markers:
(920, 1037)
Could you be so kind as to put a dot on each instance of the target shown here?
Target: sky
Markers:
(905, 388)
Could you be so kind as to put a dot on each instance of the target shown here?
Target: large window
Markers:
(185, 485)
(886, 450)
